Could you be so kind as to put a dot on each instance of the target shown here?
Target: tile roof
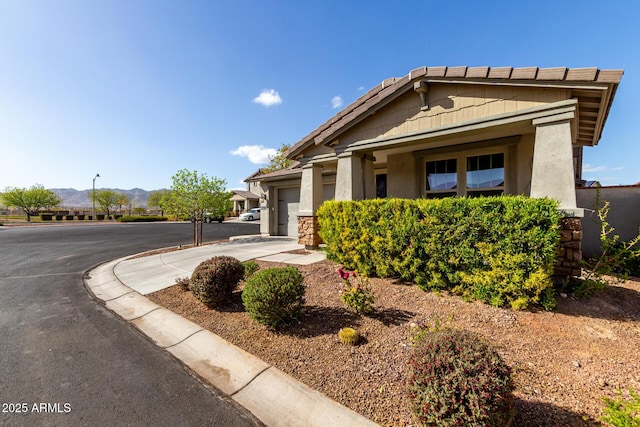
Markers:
(385, 91)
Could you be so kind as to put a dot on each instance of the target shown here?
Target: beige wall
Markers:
(523, 157)
(449, 103)
(624, 214)
(402, 176)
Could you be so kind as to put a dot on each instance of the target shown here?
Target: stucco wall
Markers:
(523, 155)
(624, 214)
(449, 103)
(402, 176)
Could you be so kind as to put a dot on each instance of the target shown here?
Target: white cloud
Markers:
(336, 102)
(257, 154)
(587, 168)
(268, 97)
(360, 88)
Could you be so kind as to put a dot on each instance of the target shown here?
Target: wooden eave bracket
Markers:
(422, 88)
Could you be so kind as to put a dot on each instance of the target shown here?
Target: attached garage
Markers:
(288, 207)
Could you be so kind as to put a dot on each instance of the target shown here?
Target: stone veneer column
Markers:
(570, 254)
(308, 228)
(310, 200)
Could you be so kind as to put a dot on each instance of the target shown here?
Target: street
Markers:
(66, 360)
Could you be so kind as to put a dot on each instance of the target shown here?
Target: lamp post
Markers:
(93, 197)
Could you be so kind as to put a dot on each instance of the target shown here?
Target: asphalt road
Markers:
(66, 360)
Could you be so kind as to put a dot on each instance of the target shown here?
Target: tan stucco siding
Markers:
(523, 164)
(402, 176)
(449, 103)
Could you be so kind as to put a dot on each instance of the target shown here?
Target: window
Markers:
(442, 178)
(485, 174)
(480, 175)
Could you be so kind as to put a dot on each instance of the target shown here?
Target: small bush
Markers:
(348, 336)
(183, 282)
(214, 280)
(457, 380)
(275, 296)
(356, 296)
(622, 412)
(421, 329)
(141, 218)
(250, 267)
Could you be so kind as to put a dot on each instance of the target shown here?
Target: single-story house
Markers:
(447, 131)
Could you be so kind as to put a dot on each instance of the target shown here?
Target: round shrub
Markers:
(275, 296)
(214, 280)
(455, 379)
(250, 267)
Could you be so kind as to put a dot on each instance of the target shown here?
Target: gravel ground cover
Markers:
(563, 361)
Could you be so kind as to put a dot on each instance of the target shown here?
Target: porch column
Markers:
(310, 189)
(355, 179)
(310, 200)
(552, 173)
(553, 176)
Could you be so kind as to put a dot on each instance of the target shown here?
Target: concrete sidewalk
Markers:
(272, 396)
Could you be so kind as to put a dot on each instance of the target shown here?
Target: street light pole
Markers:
(93, 197)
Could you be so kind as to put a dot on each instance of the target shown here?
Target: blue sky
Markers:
(136, 90)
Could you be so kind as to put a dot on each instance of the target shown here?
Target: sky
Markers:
(136, 90)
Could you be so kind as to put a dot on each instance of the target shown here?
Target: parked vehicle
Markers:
(211, 217)
(251, 215)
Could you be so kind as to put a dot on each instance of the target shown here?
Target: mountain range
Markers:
(72, 198)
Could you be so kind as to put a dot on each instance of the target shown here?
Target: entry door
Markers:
(288, 207)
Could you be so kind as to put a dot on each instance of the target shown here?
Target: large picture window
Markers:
(442, 177)
(465, 175)
(485, 174)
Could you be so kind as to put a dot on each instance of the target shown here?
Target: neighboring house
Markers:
(243, 201)
(446, 131)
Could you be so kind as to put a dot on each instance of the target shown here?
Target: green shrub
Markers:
(443, 243)
(455, 379)
(250, 267)
(275, 296)
(214, 280)
(141, 218)
(356, 296)
(622, 412)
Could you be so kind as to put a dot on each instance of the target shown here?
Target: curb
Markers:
(271, 395)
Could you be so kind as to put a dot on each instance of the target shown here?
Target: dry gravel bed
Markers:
(564, 361)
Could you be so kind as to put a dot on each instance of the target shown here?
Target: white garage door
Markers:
(288, 207)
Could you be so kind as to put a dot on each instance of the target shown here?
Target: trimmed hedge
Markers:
(141, 218)
(496, 249)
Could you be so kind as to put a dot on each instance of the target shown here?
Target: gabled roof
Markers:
(593, 105)
(246, 194)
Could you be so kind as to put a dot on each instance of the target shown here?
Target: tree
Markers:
(122, 199)
(278, 161)
(107, 200)
(155, 199)
(192, 196)
(30, 200)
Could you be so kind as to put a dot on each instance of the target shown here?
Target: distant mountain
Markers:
(72, 198)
